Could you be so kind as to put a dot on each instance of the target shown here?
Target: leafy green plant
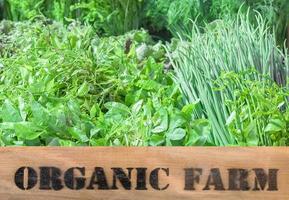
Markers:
(113, 17)
(276, 14)
(116, 17)
(258, 110)
(5, 10)
(231, 46)
(76, 73)
(109, 17)
(66, 86)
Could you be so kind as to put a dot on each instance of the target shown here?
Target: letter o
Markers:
(19, 178)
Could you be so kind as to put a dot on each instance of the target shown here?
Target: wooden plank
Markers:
(156, 173)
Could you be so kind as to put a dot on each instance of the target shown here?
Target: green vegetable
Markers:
(144, 73)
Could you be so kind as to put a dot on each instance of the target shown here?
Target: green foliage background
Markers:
(114, 17)
(144, 73)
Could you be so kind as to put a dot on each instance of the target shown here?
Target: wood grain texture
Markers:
(176, 159)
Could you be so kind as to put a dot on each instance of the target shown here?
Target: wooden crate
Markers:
(144, 173)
